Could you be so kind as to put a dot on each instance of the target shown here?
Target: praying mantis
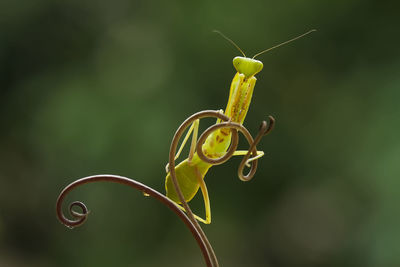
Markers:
(190, 172)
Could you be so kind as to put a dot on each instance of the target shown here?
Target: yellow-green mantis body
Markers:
(190, 172)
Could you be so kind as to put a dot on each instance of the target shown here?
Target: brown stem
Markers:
(188, 218)
(234, 128)
(172, 152)
(81, 217)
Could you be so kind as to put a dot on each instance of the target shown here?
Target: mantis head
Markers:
(250, 66)
(247, 66)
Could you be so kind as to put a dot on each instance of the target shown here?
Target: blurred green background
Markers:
(90, 87)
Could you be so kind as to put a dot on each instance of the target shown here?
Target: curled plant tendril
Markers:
(188, 218)
(252, 149)
(81, 217)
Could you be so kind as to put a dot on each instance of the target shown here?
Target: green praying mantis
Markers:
(190, 172)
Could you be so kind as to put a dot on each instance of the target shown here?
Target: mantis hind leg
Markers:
(206, 199)
(194, 139)
(195, 129)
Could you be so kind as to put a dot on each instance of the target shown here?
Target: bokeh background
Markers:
(90, 87)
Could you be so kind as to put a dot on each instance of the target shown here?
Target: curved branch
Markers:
(81, 217)
(188, 218)
(172, 152)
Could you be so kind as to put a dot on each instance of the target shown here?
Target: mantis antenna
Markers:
(291, 40)
(229, 40)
